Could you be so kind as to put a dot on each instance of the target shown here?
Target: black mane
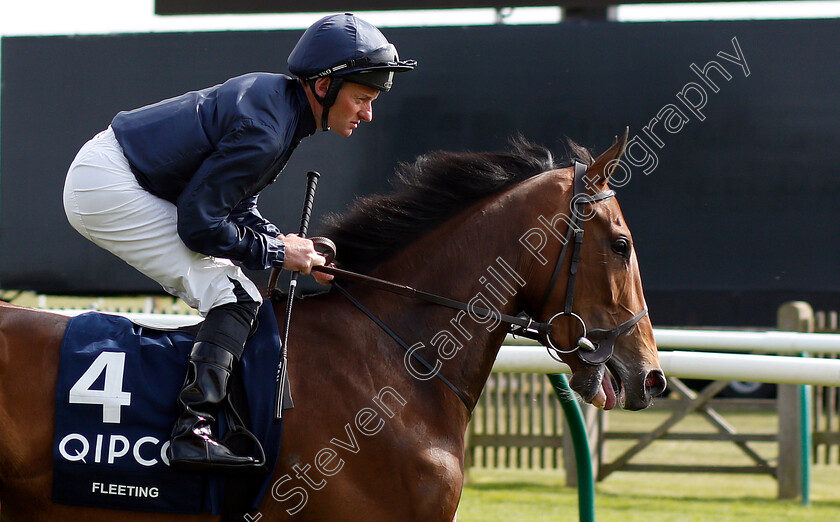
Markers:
(428, 192)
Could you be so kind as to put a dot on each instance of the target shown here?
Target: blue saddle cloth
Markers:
(115, 406)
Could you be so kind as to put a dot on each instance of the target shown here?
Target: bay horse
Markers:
(373, 434)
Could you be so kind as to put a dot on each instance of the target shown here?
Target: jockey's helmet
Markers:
(345, 48)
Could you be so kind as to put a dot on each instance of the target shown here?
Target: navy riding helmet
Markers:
(345, 48)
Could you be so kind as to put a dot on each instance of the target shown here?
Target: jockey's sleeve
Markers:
(246, 214)
(245, 161)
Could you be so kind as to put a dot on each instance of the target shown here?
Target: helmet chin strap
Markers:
(327, 100)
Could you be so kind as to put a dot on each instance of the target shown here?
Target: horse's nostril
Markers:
(655, 383)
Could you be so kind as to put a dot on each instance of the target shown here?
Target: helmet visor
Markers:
(381, 79)
(383, 58)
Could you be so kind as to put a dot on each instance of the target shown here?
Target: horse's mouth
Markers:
(606, 396)
(595, 386)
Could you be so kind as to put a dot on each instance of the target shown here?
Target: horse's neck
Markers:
(474, 259)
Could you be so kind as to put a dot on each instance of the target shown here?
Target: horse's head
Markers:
(604, 294)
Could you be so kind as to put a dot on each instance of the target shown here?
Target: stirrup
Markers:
(236, 429)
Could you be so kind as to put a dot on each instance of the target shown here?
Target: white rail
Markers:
(770, 342)
(754, 342)
(693, 365)
(163, 321)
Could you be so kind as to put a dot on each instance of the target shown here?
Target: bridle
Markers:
(594, 347)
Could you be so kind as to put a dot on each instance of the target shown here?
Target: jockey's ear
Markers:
(604, 165)
(322, 85)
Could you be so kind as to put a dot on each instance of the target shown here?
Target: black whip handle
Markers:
(308, 202)
(282, 365)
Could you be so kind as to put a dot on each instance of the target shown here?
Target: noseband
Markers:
(593, 346)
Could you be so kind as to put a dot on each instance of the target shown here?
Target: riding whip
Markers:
(282, 371)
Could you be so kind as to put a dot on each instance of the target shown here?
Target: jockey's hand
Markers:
(301, 257)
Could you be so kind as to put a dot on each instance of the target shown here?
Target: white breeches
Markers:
(105, 203)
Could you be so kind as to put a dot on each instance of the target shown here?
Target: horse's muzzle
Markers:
(655, 384)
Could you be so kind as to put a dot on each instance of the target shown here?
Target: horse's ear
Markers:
(604, 165)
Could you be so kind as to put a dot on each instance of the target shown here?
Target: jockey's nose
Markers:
(366, 113)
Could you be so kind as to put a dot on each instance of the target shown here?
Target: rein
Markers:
(528, 326)
(407, 348)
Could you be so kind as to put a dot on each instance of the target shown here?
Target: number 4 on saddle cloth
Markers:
(115, 407)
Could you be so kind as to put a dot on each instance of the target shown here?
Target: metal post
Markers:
(805, 441)
(574, 417)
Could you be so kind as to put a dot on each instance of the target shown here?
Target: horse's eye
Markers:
(621, 246)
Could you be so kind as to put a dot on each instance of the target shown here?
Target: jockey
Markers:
(171, 188)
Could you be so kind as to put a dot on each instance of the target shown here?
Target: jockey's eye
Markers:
(621, 246)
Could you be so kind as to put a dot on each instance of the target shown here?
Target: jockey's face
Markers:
(353, 105)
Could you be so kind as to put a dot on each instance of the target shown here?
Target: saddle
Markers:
(116, 404)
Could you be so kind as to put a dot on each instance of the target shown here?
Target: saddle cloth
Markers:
(115, 407)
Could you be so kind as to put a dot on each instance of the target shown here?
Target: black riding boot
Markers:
(192, 445)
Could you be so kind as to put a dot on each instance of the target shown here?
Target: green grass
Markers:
(541, 495)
